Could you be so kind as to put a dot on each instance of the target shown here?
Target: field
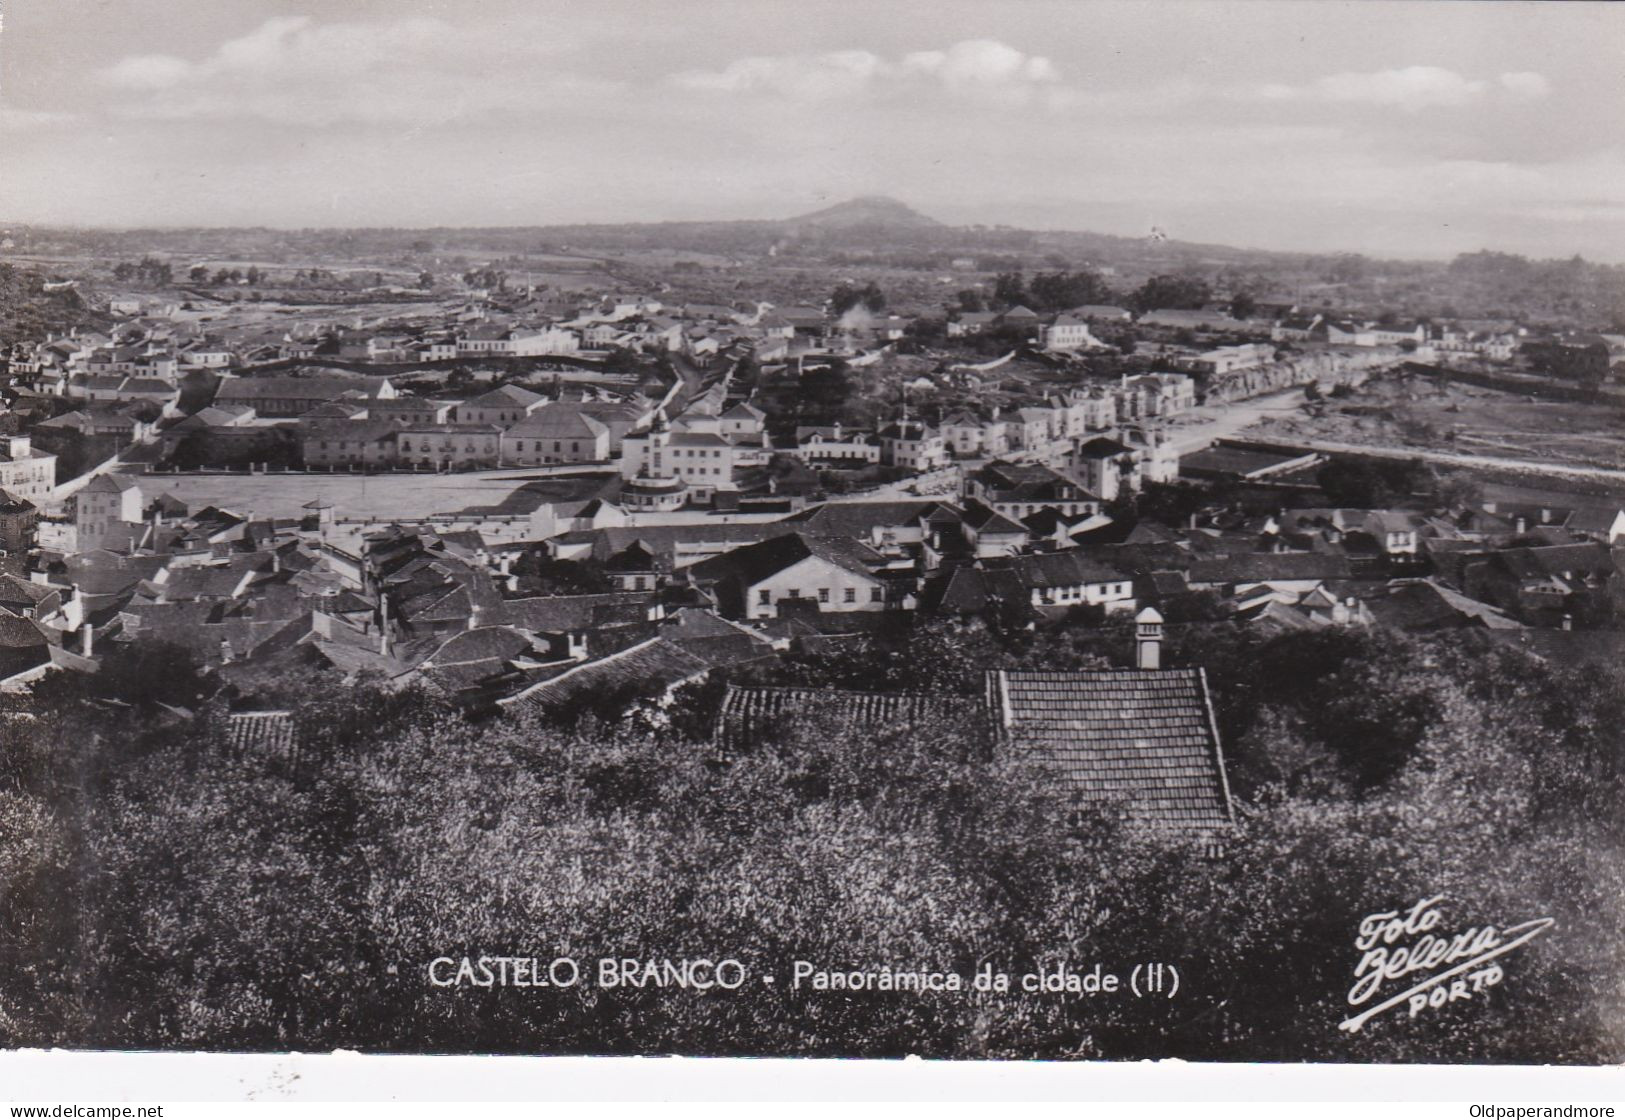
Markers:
(1419, 412)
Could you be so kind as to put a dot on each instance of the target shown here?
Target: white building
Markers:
(25, 472)
(913, 445)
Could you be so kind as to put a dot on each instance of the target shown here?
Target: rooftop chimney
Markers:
(1148, 639)
(1568, 622)
(88, 646)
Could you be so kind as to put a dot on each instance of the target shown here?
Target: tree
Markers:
(928, 330)
(1457, 489)
(1348, 268)
(198, 273)
(1010, 290)
(410, 833)
(1356, 483)
(845, 298)
(1176, 292)
(425, 280)
(1243, 305)
(1058, 291)
(822, 394)
(540, 574)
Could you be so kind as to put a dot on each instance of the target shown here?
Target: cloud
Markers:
(806, 77)
(26, 120)
(296, 70)
(147, 72)
(1526, 85)
(975, 68)
(982, 64)
(1414, 87)
(1411, 88)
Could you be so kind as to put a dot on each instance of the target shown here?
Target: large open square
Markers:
(386, 496)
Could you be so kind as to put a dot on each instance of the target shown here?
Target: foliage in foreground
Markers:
(158, 893)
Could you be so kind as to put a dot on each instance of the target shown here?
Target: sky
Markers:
(1408, 129)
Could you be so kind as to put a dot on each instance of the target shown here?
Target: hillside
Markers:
(866, 212)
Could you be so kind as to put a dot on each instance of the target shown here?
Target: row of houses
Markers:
(505, 427)
(1496, 340)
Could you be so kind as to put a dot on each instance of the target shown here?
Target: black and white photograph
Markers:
(1021, 530)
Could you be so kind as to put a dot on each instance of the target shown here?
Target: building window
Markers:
(874, 594)
(850, 595)
(764, 596)
(795, 593)
(823, 594)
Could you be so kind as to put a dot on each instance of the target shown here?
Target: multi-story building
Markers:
(449, 446)
(1034, 429)
(349, 443)
(912, 445)
(503, 406)
(555, 433)
(19, 532)
(704, 461)
(412, 410)
(1107, 468)
(107, 513)
(133, 361)
(1155, 394)
(1019, 490)
(24, 472)
(1086, 410)
(970, 436)
(1068, 331)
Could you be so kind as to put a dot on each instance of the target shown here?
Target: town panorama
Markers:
(849, 633)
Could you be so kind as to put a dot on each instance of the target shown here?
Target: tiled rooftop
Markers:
(1143, 736)
(749, 713)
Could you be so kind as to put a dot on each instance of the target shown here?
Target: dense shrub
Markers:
(160, 894)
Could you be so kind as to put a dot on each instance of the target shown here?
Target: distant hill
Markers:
(868, 211)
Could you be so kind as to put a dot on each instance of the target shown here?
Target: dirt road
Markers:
(1524, 466)
(1201, 426)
